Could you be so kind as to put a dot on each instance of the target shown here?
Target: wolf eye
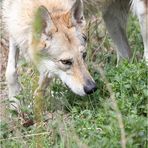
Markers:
(84, 55)
(67, 62)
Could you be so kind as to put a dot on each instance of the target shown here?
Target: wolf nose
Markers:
(90, 88)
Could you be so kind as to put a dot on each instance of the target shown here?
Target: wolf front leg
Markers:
(39, 94)
(140, 7)
(12, 76)
(115, 17)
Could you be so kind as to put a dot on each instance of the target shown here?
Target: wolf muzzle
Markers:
(90, 87)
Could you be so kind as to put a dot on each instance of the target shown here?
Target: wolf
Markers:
(115, 15)
(51, 32)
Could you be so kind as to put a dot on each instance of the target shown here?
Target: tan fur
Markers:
(26, 14)
(51, 33)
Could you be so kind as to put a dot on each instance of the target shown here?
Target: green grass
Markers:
(88, 121)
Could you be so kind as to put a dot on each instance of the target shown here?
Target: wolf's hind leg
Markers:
(115, 17)
(11, 75)
(140, 7)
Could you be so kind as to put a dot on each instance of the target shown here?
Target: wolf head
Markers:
(59, 47)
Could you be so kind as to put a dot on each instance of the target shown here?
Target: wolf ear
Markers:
(42, 22)
(77, 12)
